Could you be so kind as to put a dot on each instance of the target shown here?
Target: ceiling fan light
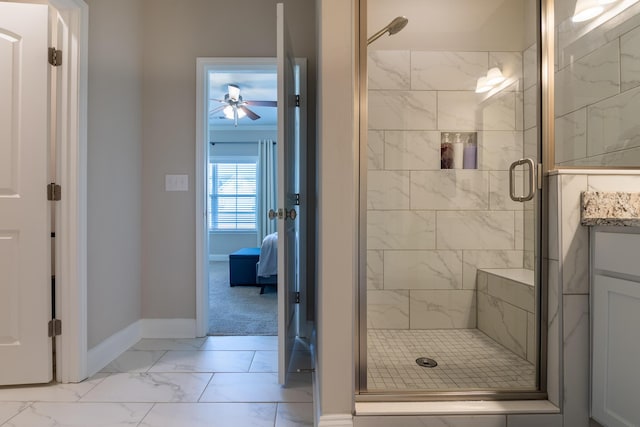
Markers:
(228, 113)
(234, 92)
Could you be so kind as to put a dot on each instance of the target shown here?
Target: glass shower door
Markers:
(450, 289)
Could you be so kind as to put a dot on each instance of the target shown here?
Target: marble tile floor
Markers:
(467, 360)
(221, 381)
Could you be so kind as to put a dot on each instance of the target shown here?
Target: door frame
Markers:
(540, 207)
(71, 211)
(203, 66)
(71, 359)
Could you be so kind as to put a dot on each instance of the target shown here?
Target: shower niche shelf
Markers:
(458, 150)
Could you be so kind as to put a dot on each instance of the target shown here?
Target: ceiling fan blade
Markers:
(262, 103)
(215, 110)
(234, 92)
(249, 113)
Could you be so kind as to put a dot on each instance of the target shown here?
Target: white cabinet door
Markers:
(25, 278)
(616, 351)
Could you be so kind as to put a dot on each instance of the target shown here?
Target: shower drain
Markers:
(425, 362)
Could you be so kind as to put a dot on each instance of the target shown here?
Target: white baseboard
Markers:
(168, 328)
(101, 355)
(219, 257)
(338, 420)
(104, 353)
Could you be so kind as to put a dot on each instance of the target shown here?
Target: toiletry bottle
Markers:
(458, 148)
(470, 160)
(446, 153)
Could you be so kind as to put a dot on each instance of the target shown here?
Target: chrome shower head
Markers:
(393, 27)
(397, 25)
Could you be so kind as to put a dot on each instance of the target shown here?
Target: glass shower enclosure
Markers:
(450, 294)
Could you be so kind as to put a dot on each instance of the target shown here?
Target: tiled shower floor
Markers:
(467, 359)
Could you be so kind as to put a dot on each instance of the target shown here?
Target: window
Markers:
(232, 196)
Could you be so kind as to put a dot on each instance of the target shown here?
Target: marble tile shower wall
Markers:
(598, 90)
(429, 230)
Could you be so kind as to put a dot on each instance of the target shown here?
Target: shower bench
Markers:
(506, 308)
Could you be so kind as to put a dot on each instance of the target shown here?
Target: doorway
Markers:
(241, 177)
(237, 171)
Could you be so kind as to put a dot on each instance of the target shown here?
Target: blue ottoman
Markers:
(242, 266)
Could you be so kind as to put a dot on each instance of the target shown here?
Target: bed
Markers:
(267, 265)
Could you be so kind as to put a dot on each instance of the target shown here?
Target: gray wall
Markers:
(114, 174)
(142, 91)
(175, 34)
(337, 199)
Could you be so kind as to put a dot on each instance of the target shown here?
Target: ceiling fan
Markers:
(234, 107)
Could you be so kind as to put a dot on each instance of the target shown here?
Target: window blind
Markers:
(232, 194)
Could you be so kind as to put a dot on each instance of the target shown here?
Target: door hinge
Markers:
(297, 199)
(297, 297)
(55, 327)
(54, 192)
(297, 100)
(55, 57)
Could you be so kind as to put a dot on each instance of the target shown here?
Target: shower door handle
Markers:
(531, 180)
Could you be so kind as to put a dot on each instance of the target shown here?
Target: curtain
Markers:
(267, 187)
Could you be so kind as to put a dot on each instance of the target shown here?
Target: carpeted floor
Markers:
(239, 310)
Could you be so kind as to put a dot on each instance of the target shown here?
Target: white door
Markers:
(288, 222)
(25, 280)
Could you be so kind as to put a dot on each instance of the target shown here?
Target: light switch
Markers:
(176, 183)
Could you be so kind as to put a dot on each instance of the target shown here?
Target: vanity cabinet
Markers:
(615, 326)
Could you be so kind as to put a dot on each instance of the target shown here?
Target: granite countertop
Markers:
(610, 208)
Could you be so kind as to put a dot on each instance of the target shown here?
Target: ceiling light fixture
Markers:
(228, 112)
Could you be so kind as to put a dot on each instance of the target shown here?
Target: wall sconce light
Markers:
(482, 86)
(493, 78)
(589, 9)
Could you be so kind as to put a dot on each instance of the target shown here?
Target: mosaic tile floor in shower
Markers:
(467, 359)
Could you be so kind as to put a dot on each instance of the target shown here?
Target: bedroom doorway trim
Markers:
(203, 66)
